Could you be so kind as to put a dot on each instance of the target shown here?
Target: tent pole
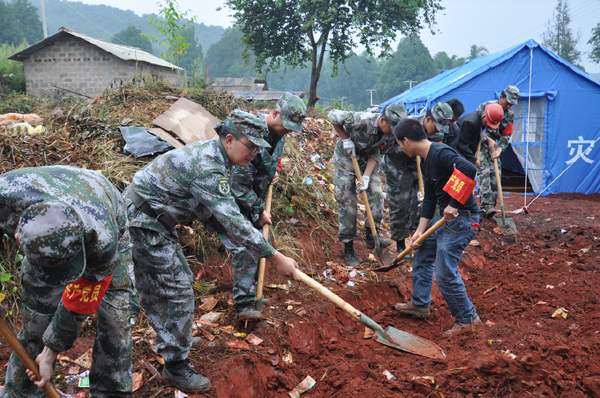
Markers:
(527, 130)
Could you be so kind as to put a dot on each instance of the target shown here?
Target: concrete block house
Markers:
(80, 64)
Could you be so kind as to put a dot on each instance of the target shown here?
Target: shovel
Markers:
(391, 337)
(382, 258)
(419, 240)
(261, 264)
(23, 355)
(505, 223)
(420, 176)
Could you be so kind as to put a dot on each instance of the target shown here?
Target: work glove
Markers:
(365, 185)
(419, 196)
(349, 147)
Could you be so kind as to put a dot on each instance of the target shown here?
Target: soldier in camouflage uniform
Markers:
(183, 185)
(360, 134)
(494, 143)
(72, 227)
(401, 174)
(249, 186)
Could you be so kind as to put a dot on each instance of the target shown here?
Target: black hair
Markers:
(457, 107)
(429, 114)
(223, 131)
(410, 128)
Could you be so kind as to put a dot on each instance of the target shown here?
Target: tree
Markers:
(559, 37)
(224, 58)
(193, 53)
(294, 32)
(29, 22)
(133, 37)
(595, 42)
(410, 62)
(477, 51)
(443, 61)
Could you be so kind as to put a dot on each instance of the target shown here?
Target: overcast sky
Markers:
(495, 25)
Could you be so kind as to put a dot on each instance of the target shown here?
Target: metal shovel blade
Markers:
(382, 255)
(403, 340)
(506, 224)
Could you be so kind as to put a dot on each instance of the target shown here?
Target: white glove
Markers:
(349, 146)
(419, 196)
(365, 185)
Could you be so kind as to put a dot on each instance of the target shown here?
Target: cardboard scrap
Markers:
(304, 386)
(188, 121)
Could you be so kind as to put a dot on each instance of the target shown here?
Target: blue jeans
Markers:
(442, 251)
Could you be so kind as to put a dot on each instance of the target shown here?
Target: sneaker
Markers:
(411, 309)
(180, 375)
(489, 213)
(459, 326)
(247, 312)
(349, 256)
(370, 241)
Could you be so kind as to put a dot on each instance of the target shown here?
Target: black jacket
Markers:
(469, 135)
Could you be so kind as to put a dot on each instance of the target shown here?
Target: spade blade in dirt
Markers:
(506, 224)
(391, 337)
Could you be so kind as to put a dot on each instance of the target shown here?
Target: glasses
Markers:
(253, 150)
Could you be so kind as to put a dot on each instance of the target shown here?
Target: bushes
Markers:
(12, 78)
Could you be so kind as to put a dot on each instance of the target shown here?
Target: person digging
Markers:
(448, 182)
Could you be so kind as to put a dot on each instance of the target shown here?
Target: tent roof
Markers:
(447, 80)
(124, 52)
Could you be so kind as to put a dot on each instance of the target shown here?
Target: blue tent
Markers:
(557, 120)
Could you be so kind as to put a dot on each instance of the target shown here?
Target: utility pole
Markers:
(43, 18)
(371, 91)
(342, 100)
(410, 82)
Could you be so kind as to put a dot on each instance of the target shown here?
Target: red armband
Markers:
(508, 130)
(459, 186)
(83, 296)
(279, 165)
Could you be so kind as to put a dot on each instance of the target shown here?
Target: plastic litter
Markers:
(304, 386)
(389, 376)
(253, 339)
(560, 311)
(139, 142)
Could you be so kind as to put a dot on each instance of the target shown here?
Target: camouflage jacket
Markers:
(362, 128)
(393, 151)
(194, 183)
(103, 216)
(496, 134)
(250, 184)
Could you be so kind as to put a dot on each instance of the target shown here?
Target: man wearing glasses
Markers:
(183, 185)
(249, 185)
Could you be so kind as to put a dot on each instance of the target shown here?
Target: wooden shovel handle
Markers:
(262, 262)
(364, 196)
(420, 176)
(24, 356)
(498, 182)
(422, 238)
(328, 294)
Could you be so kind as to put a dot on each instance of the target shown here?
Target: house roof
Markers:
(126, 53)
(429, 90)
(268, 95)
(236, 84)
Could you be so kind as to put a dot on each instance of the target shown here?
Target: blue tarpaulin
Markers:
(557, 120)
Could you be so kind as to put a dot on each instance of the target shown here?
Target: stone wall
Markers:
(74, 64)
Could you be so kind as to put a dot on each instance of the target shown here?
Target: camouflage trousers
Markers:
(345, 195)
(486, 179)
(245, 269)
(111, 372)
(401, 182)
(164, 283)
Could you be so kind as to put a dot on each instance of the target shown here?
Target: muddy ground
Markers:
(516, 283)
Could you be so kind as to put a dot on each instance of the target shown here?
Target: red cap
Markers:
(493, 115)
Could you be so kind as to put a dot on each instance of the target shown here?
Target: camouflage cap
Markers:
(247, 124)
(442, 115)
(512, 94)
(292, 110)
(394, 113)
(51, 237)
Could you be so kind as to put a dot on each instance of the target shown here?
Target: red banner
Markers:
(83, 296)
(459, 186)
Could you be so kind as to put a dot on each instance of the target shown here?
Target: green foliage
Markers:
(443, 61)
(133, 37)
(295, 33)
(477, 51)
(595, 43)
(225, 57)
(170, 24)
(19, 21)
(559, 37)
(191, 59)
(12, 78)
(410, 62)
(10, 269)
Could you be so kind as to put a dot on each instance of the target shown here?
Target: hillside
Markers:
(103, 21)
